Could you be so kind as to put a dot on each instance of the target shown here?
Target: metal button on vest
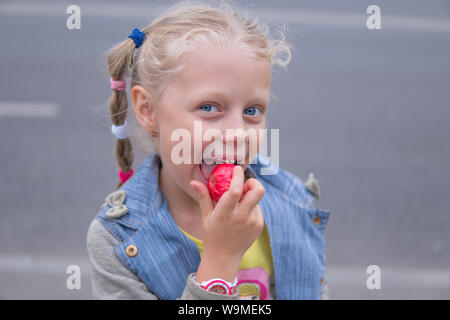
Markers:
(316, 221)
(131, 250)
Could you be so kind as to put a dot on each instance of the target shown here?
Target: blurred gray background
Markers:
(368, 111)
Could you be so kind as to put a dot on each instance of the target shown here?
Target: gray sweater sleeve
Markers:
(112, 280)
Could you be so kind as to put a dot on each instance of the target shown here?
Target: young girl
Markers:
(160, 235)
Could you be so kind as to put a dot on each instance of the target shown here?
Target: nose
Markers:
(234, 138)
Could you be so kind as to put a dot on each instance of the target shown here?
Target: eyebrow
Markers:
(263, 98)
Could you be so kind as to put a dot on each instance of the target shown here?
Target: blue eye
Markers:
(207, 107)
(252, 111)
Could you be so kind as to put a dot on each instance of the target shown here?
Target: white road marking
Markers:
(40, 264)
(315, 18)
(28, 109)
(337, 276)
(391, 277)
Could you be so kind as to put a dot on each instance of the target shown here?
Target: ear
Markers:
(143, 108)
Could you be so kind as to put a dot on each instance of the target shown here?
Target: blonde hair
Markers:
(180, 28)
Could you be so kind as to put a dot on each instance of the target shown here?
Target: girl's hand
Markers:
(234, 223)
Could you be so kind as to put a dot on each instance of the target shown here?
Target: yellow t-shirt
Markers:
(255, 272)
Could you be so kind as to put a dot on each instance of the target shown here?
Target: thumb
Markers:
(202, 197)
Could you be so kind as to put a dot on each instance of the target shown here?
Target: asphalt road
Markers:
(366, 110)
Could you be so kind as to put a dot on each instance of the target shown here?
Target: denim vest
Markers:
(165, 256)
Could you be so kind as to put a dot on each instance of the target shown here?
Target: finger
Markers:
(231, 197)
(245, 188)
(203, 197)
(254, 194)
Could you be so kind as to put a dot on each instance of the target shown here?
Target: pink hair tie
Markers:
(118, 85)
(125, 176)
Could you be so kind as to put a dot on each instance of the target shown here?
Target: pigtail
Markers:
(119, 60)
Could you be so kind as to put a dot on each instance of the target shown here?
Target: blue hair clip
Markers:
(138, 36)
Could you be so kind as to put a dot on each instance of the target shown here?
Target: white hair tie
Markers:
(120, 132)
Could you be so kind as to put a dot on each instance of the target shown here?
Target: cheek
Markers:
(179, 152)
(258, 140)
(176, 136)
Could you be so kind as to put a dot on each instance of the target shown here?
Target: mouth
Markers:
(207, 168)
